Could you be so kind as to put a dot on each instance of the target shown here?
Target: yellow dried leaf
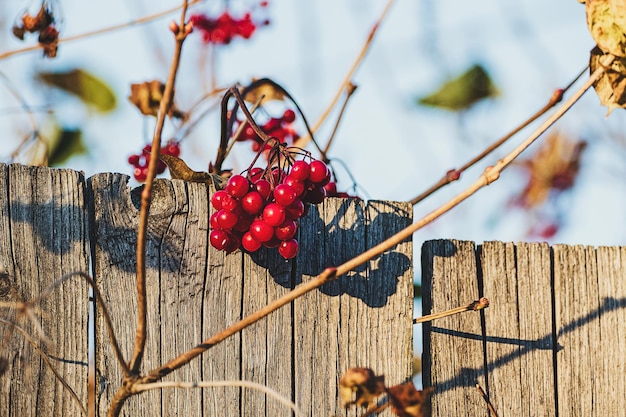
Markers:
(360, 386)
(181, 171)
(607, 23)
(611, 87)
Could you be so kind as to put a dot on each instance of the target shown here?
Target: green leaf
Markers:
(67, 142)
(84, 85)
(463, 91)
(607, 23)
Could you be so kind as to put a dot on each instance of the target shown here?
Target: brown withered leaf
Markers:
(360, 386)
(147, 98)
(180, 170)
(266, 90)
(406, 401)
(606, 20)
(611, 87)
(554, 166)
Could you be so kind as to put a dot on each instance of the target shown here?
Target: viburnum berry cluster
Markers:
(280, 128)
(263, 208)
(140, 161)
(223, 29)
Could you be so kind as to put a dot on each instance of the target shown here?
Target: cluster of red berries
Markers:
(140, 161)
(264, 207)
(223, 29)
(280, 128)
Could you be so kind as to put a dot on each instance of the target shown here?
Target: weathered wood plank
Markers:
(590, 301)
(43, 236)
(518, 328)
(453, 356)
(363, 319)
(578, 329)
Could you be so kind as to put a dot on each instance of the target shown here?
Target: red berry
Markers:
(249, 243)
(141, 173)
(219, 238)
(272, 243)
(297, 185)
(288, 248)
(289, 116)
(264, 188)
(331, 189)
(271, 125)
(217, 198)
(261, 231)
(213, 221)
(243, 225)
(300, 170)
(318, 172)
(287, 230)
(315, 195)
(274, 214)
(226, 219)
(295, 210)
(133, 160)
(237, 186)
(252, 203)
(284, 194)
(255, 174)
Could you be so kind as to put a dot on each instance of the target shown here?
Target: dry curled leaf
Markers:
(611, 87)
(147, 98)
(180, 170)
(554, 166)
(265, 90)
(406, 401)
(607, 23)
(360, 386)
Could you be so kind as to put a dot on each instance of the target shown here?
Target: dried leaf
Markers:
(360, 386)
(406, 401)
(84, 85)
(463, 91)
(607, 23)
(180, 170)
(554, 166)
(611, 87)
(147, 98)
(266, 90)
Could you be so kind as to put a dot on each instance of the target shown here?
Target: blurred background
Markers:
(441, 81)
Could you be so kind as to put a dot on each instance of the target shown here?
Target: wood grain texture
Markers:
(518, 328)
(363, 319)
(453, 356)
(43, 236)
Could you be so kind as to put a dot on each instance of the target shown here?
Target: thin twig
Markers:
(101, 31)
(48, 362)
(213, 384)
(490, 175)
(302, 142)
(492, 410)
(146, 195)
(350, 89)
(473, 306)
(454, 174)
(241, 127)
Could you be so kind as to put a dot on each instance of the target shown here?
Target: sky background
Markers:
(394, 148)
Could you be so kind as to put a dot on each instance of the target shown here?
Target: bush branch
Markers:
(476, 305)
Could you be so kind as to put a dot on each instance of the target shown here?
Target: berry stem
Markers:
(454, 174)
(476, 305)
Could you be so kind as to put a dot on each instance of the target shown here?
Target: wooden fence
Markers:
(53, 222)
(552, 343)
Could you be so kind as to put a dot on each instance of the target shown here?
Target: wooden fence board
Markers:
(453, 346)
(554, 339)
(44, 237)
